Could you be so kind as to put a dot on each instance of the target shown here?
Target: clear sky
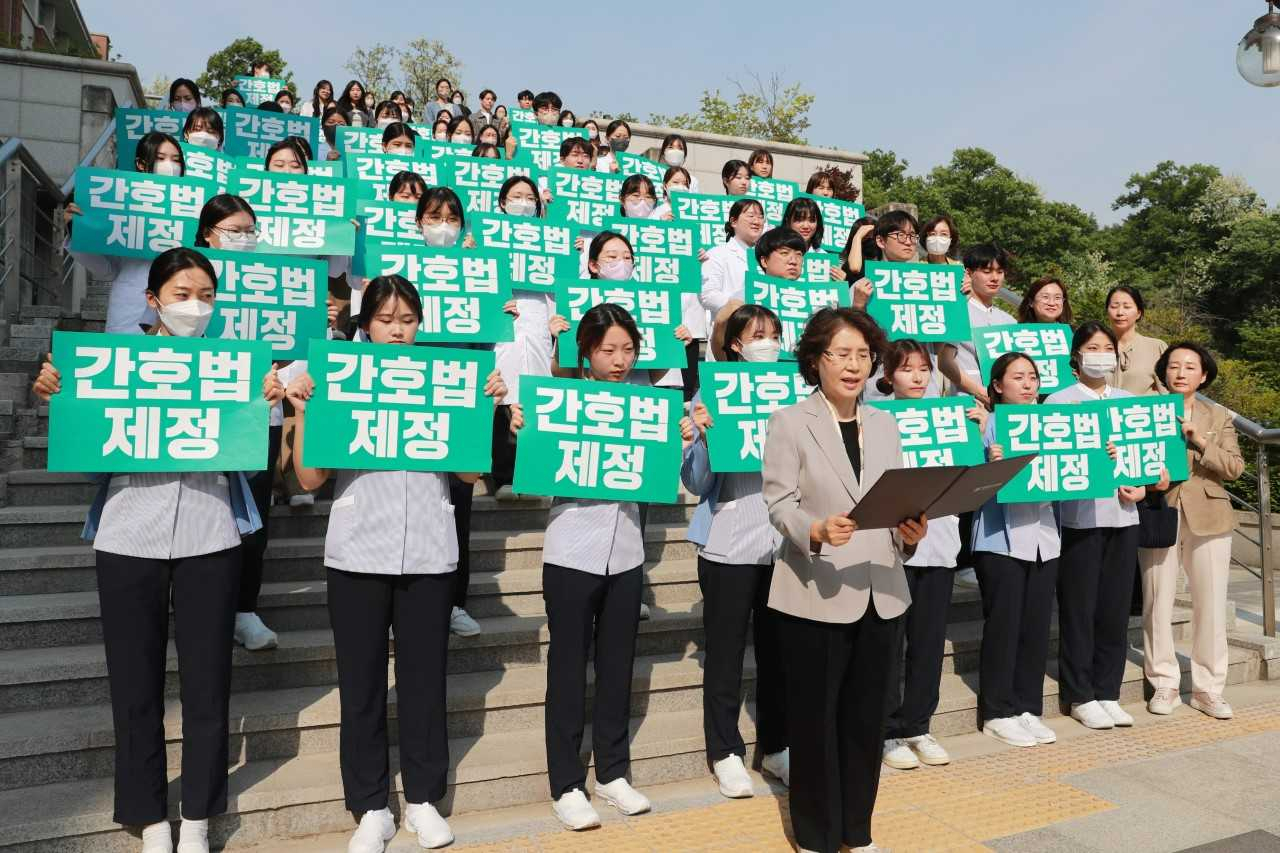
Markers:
(1076, 96)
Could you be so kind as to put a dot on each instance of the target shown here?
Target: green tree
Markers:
(1243, 275)
(1260, 343)
(766, 109)
(235, 60)
(372, 67)
(883, 178)
(422, 63)
(842, 183)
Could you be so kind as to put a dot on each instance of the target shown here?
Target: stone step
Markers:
(43, 746)
(77, 675)
(35, 450)
(280, 798)
(15, 387)
(31, 331)
(52, 312)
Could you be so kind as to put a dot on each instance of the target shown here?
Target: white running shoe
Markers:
(157, 838)
(1118, 715)
(1211, 704)
(1091, 715)
(735, 782)
(778, 765)
(506, 493)
(967, 577)
(928, 749)
(574, 811)
(1037, 729)
(253, 634)
(193, 836)
(431, 829)
(1008, 730)
(1164, 700)
(898, 755)
(304, 499)
(375, 830)
(461, 623)
(644, 612)
(623, 797)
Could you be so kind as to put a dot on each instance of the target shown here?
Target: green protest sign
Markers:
(655, 308)
(463, 290)
(814, 266)
(1069, 438)
(315, 168)
(527, 116)
(920, 301)
(599, 440)
(207, 164)
(426, 148)
(250, 132)
(1147, 432)
(255, 90)
(936, 431)
(773, 189)
(135, 214)
(664, 252)
(1048, 345)
(478, 180)
(794, 302)
(132, 124)
(390, 222)
(540, 251)
(274, 298)
(158, 403)
(357, 140)
(711, 212)
(300, 214)
(372, 173)
(542, 141)
(837, 219)
(740, 396)
(635, 164)
(392, 407)
(582, 197)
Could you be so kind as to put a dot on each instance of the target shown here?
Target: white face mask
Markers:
(187, 318)
(937, 245)
(441, 235)
(463, 140)
(170, 168)
(236, 241)
(521, 207)
(674, 157)
(184, 106)
(204, 140)
(765, 349)
(617, 270)
(638, 209)
(604, 164)
(384, 123)
(1097, 365)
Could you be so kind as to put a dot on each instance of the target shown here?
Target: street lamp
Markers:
(1258, 55)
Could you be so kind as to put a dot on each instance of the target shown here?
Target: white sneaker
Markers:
(1091, 715)
(967, 577)
(1008, 730)
(193, 836)
(1211, 704)
(898, 755)
(431, 829)
(644, 611)
(735, 782)
(623, 797)
(157, 838)
(1037, 729)
(1164, 700)
(506, 493)
(778, 765)
(304, 499)
(574, 811)
(461, 623)
(927, 748)
(253, 634)
(1118, 715)
(375, 830)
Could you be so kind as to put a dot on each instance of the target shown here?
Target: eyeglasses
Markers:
(844, 358)
(1044, 299)
(907, 237)
(255, 231)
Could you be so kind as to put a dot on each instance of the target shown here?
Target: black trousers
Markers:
(924, 632)
(836, 677)
(254, 546)
(1017, 605)
(135, 595)
(461, 495)
(361, 608)
(503, 471)
(732, 595)
(1095, 583)
(582, 607)
(689, 373)
(964, 559)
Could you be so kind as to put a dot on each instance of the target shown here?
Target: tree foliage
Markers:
(235, 60)
(843, 186)
(422, 62)
(764, 109)
(372, 67)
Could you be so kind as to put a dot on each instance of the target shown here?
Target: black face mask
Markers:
(331, 133)
(620, 144)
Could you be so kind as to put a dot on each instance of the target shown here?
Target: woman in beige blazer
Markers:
(1203, 550)
(839, 591)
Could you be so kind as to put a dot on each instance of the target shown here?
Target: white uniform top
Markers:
(597, 537)
(966, 352)
(391, 523)
(1098, 512)
(940, 546)
(741, 533)
(724, 275)
(127, 309)
(530, 353)
(167, 516)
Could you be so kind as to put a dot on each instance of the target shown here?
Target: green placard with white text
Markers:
(583, 198)
(478, 180)
(936, 431)
(541, 251)
(664, 252)
(635, 164)
(655, 308)
(837, 219)
(371, 172)
(255, 90)
(1070, 439)
(463, 290)
(251, 132)
(132, 124)
(1147, 432)
(773, 189)
(1048, 345)
(794, 302)
(300, 214)
(280, 299)
(135, 214)
(207, 164)
(542, 141)
(919, 301)
(740, 396)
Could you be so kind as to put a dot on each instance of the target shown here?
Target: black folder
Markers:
(903, 493)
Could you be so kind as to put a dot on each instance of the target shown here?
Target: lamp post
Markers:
(1258, 54)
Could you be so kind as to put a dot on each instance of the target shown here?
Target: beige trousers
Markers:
(1207, 563)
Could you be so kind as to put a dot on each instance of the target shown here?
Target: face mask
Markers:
(620, 144)
(202, 139)
(384, 123)
(441, 235)
(186, 319)
(330, 131)
(638, 209)
(463, 140)
(184, 106)
(521, 207)
(238, 242)
(617, 270)
(567, 123)
(674, 157)
(937, 245)
(766, 349)
(548, 118)
(604, 163)
(1097, 365)
(171, 168)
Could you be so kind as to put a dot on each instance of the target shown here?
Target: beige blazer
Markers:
(1205, 504)
(807, 477)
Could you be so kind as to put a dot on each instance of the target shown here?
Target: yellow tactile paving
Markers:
(953, 808)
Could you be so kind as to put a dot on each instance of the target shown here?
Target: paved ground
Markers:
(1173, 783)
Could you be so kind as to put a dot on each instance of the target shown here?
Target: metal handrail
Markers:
(108, 133)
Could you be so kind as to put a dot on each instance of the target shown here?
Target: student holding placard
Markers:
(675, 179)
(930, 571)
(820, 184)
(231, 98)
(184, 95)
(1099, 558)
(1203, 549)
(1045, 301)
(736, 544)
(1015, 551)
(391, 553)
(162, 537)
(987, 266)
(859, 248)
(203, 127)
(725, 269)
